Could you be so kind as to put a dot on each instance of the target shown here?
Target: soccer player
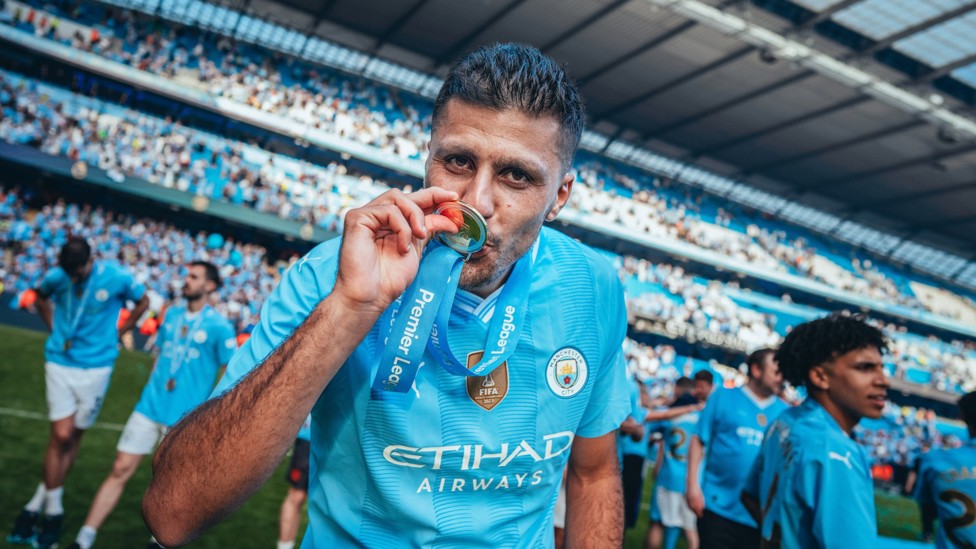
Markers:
(947, 481)
(297, 477)
(80, 353)
(669, 492)
(633, 447)
(704, 383)
(454, 460)
(810, 485)
(195, 344)
(730, 432)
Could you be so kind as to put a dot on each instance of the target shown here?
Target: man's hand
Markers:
(696, 500)
(382, 244)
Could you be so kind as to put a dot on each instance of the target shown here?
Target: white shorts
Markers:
(559, 515)
(140, 435)
(674, 509)
(75, 391)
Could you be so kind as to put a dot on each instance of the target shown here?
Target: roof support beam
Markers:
(714, 65)
(396, 26)
(878, 134)
(712, 149)
(945, 69)
(930, 159)
(735, 101)
(464, 43)
(825, 14)
(911, 197)
(955, 274)
(647, 46)
(888, 41)
(593, 18)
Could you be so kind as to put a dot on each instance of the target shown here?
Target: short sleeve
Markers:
(609, 403)
(706, 422)
(301, 289)
(130, 289)
(53, 281)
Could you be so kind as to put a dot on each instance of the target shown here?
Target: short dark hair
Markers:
(706, 376)
(967, 409)
(684, 383)
(74, 254)
(813, 343)
(758, 357)
(517, 76)
(210, 272)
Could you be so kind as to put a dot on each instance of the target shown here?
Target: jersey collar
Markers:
(484, 307)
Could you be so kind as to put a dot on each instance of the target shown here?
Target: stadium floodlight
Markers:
(790, 50)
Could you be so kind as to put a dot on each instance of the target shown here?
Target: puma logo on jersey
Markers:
(845, 459)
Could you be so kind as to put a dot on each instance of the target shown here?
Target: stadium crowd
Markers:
(393, 121)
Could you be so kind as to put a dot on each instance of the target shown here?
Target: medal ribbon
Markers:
(81, 304)
(176, 364)
(420, 320)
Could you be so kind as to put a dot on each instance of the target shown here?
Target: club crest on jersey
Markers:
(487, 391)
(566, 372)
(200, 336)
(101, 295)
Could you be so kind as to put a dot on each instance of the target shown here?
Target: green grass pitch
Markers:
(24, 432)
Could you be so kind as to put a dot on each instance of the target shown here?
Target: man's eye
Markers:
(458, 162)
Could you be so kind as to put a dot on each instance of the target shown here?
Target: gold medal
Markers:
(171, 384)
(67, 344)
(472, 228)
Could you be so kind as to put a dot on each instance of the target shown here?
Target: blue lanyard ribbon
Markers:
(420, 320)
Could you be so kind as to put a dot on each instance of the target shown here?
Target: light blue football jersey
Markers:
(305, 433)
(947, 480)
(192, 348)
(731, 426)
(472, 462)
(86, 315)
(677, 440)
(813, 483)
(625, 444)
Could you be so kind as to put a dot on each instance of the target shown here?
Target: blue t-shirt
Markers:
(947, 480)
(192, 348)
(448, 467)
(813, 483)
(677, 440)
(625, 444)
(731, 426)
(85, 332)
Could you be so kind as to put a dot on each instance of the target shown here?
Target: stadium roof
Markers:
(859, 108)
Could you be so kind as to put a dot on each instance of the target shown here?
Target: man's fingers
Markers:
(430, 197)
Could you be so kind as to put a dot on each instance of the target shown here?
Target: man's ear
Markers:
(819, 378)
(562, 196)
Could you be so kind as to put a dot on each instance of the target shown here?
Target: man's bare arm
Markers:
(44, 310)
(594, 496)
(223, 452)
(693, 491)
(137, 313)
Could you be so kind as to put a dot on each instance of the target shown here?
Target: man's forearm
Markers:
(695, 451)
(594, 508)
(43, 305)
(222, 453)
(137, 313)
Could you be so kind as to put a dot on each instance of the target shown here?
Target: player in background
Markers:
(79, 301)
(730, 432)
(195, 343)
(704, 385)
(291, 508)
(947, 481)
(810, 485)
(632, 446)
(669, 491)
